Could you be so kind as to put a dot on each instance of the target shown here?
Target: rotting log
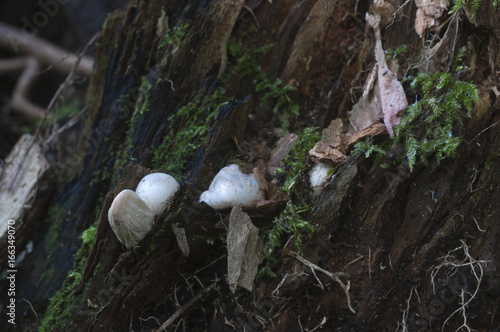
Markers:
(385, 232)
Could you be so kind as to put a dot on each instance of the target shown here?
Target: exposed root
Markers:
(452, 264)
(333, 276)
(396, 13)
(185, 307)
(32, 309)
(406, 312)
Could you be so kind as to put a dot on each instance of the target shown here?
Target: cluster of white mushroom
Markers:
(132, 213)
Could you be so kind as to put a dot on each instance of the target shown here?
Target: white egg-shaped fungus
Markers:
(318, 177)
(156, 189)
(231, 188)
(130, 218)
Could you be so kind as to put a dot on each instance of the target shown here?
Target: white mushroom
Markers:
(130, 218)
(318, 177)
(156, 189)
(231, 188)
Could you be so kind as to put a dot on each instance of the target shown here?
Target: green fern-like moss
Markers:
(274, 92)
(474, 4)
(297, 157)
(194, 119)
(288, 222)
(430, 125)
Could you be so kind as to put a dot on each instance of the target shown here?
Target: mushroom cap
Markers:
(156, 189)
(319, 175)
(231, 188)
(130, 218)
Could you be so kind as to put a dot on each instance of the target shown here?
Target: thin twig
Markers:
(43, 51)
(353, 261)
(482, 131)
(253, 15)
(59, 91)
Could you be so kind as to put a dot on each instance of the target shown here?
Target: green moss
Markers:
(62, 306)
(429, 125)
(474, 4)
(294, 162)
(174, 37)
(397, 52)
(289, 222)
(162, 228)
(88, 236)
(54, 217)
(144, 92)
(46, 275)
(179, 146)
(210, 239)
(235, 47)
(274, 93)
(60, 314)
(492, 159)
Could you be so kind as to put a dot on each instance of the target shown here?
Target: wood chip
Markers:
(373, 130)
(280, 151)
(180, 235)
(244, 248)
(330, 148)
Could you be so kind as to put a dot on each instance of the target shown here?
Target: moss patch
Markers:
(60, 314)
(193, 121)
(430, 125)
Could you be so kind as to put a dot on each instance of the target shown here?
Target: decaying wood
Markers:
(19, 183)
(280, 151)
(25, 181)
(331, 147)
(385, 228)
(373, 130)
(428, 14)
